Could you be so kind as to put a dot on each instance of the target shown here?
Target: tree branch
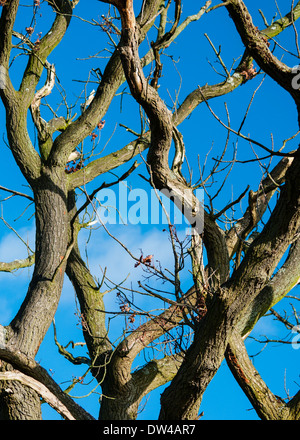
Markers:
(256, 44)
(91, 301)
(119, 383)
(262, 196)
(7, 21)
(16, 193)
(236, 79)
(43, 391)
(43, 382)
(45, 46)
(285, 279)
(265, 403)
(17, 264)
(156, 373)
(111, 80)
(109, 162)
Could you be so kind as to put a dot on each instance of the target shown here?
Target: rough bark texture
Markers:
(226, 302)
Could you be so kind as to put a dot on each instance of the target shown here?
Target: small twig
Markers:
(10, 227)
(62, 350)
(217, 6)
(247, 138)
(295, 29)
(216, 216)
(41, 389)
(249, 105)
(17, 193)
(218, 54)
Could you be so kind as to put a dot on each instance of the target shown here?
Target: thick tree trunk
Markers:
(28, 328)
(123, 403)
(52, 236)
(18, 402)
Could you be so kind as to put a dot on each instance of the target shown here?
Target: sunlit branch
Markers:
(266, 404)
(46, 385)
(17, 264)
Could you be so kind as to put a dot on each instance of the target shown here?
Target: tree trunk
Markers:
(18, 402)
(27, 330)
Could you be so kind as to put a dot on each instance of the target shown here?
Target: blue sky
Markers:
(272, 112)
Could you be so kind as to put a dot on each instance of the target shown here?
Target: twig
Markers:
(218, 54)
(41, 389)
(62, 350)
(216, 216)
(272, 152)
(17, 193)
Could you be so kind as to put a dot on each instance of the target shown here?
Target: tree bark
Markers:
(28, 328)
(18, 402)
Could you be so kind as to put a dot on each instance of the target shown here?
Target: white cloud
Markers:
(105, 252)
(12, 248)
(102, 252)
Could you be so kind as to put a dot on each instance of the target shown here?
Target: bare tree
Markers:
(237, 274)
